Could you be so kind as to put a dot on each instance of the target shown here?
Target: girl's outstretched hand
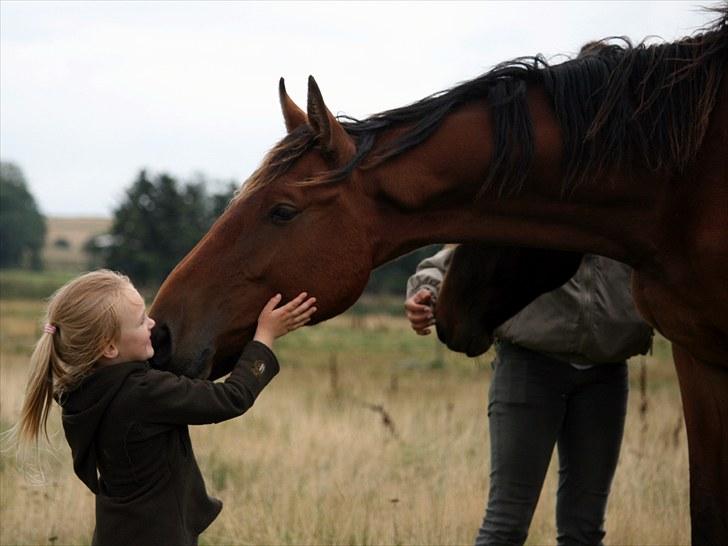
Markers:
(273, 323)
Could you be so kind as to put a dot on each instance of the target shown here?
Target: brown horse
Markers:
(621, 152)
(484, 286)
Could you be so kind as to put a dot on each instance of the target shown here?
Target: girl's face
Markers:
(134, 343)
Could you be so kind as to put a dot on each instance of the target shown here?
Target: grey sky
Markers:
(92, 92)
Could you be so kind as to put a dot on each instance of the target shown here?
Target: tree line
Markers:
(158, 221)
(22, 226)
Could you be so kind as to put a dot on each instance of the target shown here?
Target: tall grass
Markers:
(369, 435)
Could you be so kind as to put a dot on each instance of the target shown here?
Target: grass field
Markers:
(66, 238)
(315, 461)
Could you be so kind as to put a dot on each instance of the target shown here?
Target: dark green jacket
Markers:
(127, 428)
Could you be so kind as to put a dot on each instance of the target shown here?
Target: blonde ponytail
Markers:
(38, 392)
(82, 318)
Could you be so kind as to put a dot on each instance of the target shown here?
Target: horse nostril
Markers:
(162, 343)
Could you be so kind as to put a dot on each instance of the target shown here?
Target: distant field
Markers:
(65, 239)
(63, 258)
(24, 284)
(315, 463)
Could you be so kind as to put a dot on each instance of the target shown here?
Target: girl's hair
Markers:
(81, 319)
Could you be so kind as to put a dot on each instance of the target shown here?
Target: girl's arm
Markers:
(164, 397)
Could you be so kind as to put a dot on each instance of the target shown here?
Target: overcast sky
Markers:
(92, 92)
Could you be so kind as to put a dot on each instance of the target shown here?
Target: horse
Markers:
(622, 152)
(485, 285)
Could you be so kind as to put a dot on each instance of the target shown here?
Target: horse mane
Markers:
(620, 106)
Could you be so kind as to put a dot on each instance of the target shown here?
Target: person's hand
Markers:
(419, 310)
(274, 323)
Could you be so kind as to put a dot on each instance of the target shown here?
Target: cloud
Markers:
(92, 92)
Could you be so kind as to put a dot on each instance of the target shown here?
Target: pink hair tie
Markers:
(49, 329)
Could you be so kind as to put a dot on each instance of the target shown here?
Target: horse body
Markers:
(682, 289)
(683, 292)
(333, 200)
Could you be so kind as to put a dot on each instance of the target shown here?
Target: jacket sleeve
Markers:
(164, 397)
(430, 272)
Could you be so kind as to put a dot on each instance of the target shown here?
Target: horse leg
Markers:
(704, 390)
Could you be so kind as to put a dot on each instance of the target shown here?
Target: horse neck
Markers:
(431, 194)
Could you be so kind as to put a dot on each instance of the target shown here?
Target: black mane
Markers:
(619, 106)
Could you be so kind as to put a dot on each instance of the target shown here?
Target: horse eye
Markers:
(280, 214)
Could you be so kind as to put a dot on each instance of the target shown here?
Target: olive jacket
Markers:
(591, 319)
(127, 428)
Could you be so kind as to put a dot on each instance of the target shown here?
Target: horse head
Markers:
(484, 286)
(207, 308)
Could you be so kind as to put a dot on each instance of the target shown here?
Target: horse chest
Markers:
(685, 310)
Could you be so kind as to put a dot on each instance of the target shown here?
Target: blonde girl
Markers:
(126, 423)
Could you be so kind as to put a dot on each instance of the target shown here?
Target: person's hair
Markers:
(82, 318)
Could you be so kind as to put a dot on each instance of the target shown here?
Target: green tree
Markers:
(22, 227)
(159, 222)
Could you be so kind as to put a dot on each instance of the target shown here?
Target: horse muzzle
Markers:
(196, 365)
(462, 340)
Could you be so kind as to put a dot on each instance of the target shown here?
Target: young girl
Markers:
(127, 423)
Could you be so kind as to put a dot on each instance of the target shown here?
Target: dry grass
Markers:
(314, 462)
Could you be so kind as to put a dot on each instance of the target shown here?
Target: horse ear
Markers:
(292, 114)
(333, 138)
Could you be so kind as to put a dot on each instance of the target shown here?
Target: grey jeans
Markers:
(537, 402)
